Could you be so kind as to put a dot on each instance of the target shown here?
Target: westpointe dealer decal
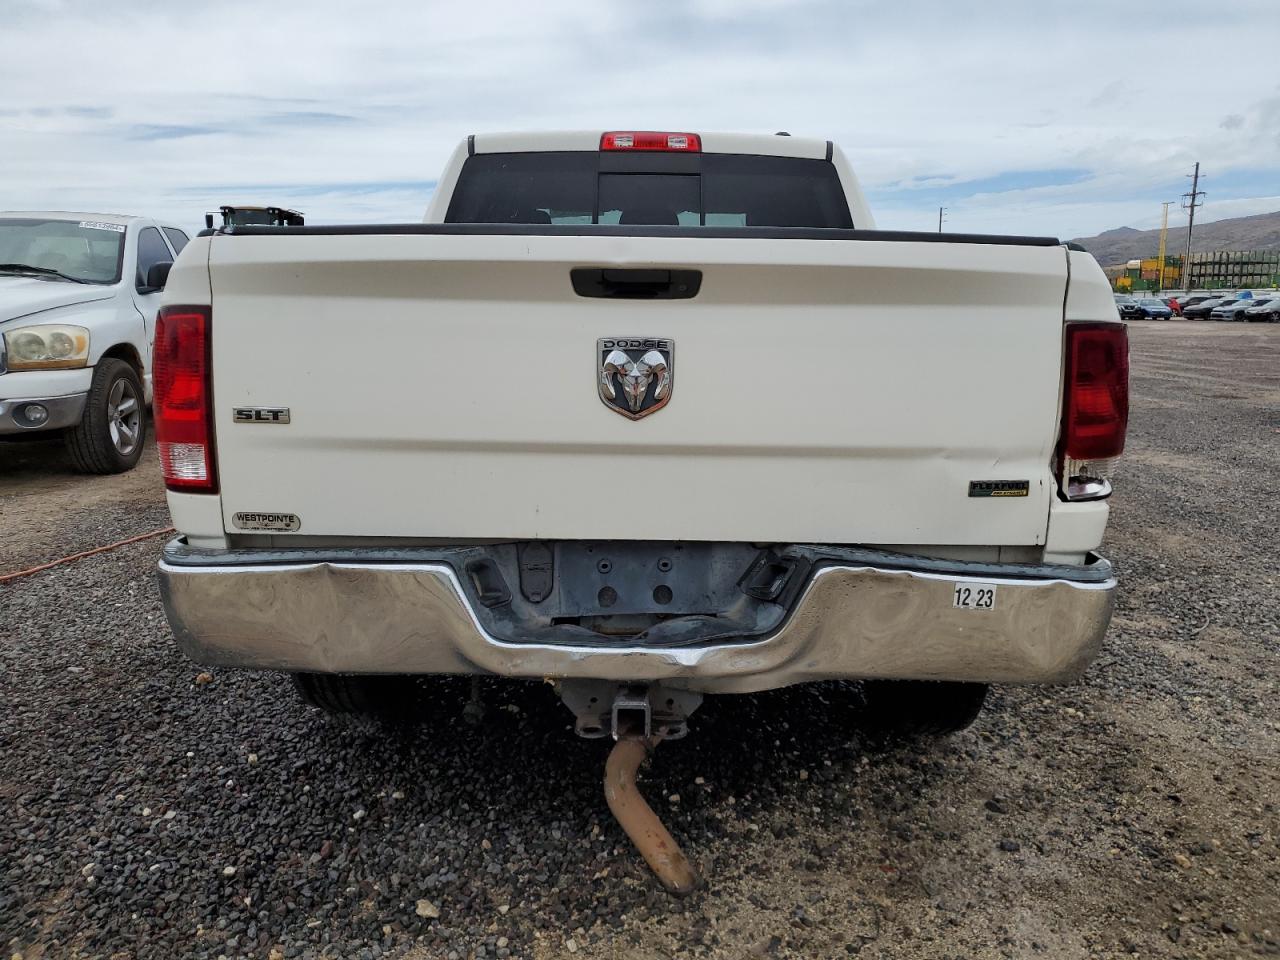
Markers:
(267, 521)
(999, 488)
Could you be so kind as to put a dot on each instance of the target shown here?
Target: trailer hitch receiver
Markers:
(628, 711)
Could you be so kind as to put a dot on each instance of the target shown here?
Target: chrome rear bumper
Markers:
(850, 621)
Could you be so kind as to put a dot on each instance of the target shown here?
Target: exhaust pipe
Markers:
(641, 824)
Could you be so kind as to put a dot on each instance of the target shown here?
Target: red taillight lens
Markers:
(1095, 404)
(648, 140)
(183, 405)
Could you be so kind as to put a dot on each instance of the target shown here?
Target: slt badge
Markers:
(635, 374)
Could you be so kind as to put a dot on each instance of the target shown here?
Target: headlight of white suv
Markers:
(50, 346)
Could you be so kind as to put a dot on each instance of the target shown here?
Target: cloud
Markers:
(1018, 118)
(89, 113)
(1113, 92)
(167, 131)
(307, 118)
(942, 190)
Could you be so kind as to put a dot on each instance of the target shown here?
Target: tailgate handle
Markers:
(619, 283)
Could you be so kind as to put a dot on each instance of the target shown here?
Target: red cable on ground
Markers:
(5, 578)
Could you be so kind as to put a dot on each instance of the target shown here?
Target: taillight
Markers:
(1095, 406)
(649, 140)
(181, 380)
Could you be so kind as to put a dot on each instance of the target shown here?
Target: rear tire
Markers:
(922, 708)
(393, 697)
(113, 429)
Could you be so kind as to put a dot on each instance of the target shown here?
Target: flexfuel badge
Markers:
(999, 488)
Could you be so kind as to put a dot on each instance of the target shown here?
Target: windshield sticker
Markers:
(98, 225)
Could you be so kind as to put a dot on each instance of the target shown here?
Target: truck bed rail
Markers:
(625, 230)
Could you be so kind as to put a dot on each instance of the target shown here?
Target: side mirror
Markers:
(208, 221)
(157, 276)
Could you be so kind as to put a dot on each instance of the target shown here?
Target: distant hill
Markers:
(1260, 232)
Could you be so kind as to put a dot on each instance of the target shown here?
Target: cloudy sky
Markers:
(1026, 116)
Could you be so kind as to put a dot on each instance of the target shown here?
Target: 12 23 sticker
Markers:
(974, 596)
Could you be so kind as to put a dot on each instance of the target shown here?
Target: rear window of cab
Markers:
(653, 189)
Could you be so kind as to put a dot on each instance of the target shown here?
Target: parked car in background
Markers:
(1154, 309)
(1128, 308)
(78, 300)
(1191, 300)
(1202, 309)
(1263, 309)
(1231, 309)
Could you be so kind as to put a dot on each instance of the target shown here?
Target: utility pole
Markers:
(1190, 202)
(1164, 232)
(940, 211)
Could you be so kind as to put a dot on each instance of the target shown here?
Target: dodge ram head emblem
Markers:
(635, 374)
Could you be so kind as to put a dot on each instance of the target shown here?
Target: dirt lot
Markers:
(148, 815)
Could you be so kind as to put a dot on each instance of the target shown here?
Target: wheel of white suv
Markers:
(922, 708)
(113, 430)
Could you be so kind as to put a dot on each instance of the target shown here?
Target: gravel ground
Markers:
(149, 814)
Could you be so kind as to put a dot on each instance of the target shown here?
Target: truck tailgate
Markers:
(445, 386)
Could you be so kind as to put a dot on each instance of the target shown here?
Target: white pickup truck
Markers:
(78, 300)
(649, 415)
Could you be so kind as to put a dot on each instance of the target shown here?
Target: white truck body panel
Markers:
(825, 391)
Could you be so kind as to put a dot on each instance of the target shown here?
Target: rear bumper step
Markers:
(860, 614)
